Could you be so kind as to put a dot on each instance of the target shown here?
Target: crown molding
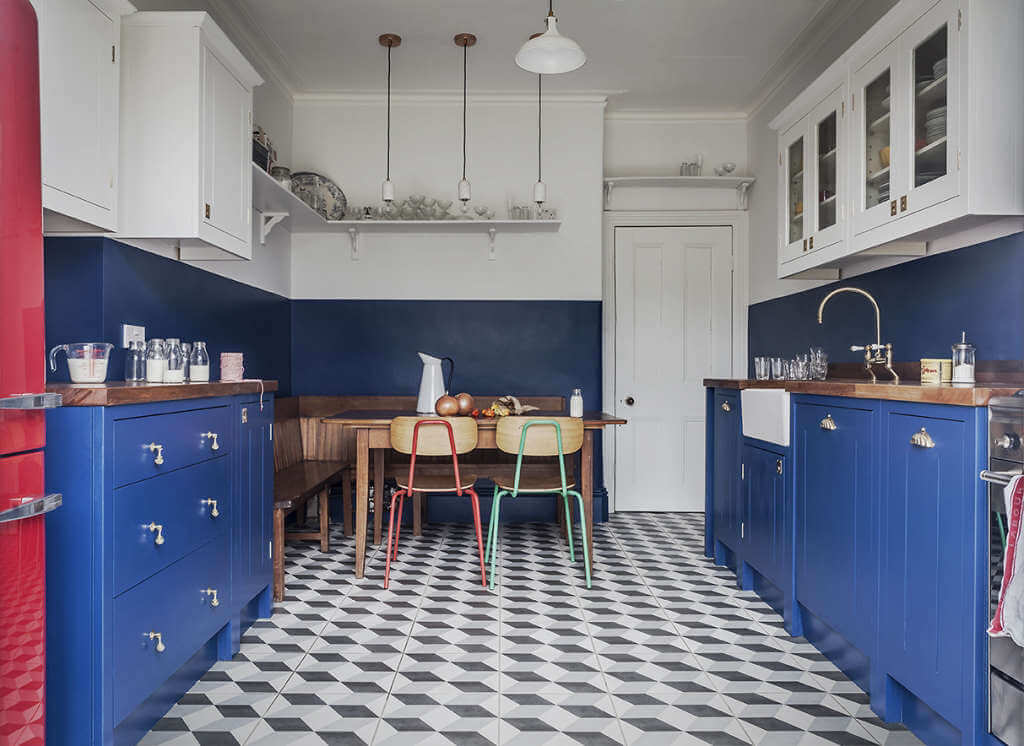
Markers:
(258, 45)
(829, 19)
(674, 116)
(431, 97)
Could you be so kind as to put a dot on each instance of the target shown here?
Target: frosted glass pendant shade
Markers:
(540, 192)
(550, 53)
(387, 191)
(465, 194)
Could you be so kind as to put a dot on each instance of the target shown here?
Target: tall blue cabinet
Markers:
(158, 558)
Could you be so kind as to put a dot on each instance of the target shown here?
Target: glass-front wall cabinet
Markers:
(876, 112)
(828, 146)
(794, 179)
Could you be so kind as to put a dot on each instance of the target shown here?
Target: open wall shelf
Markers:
(740, 183)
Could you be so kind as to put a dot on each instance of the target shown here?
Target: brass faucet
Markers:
(874, 354)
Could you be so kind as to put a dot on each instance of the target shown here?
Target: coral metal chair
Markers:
(432, 436)
(524, 436)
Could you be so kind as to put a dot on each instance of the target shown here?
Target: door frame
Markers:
(612, 219)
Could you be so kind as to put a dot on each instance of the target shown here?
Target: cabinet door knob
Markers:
(828, 423)
(213, 507)
(160, 647)
(213, 437)
(158, 450)
(211, 593)
(922, 439)
(630, 401)
(726, 407)
(156, 528)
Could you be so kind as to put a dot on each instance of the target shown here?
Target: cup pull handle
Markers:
(726, 407)
(828, 423)
(922, 439)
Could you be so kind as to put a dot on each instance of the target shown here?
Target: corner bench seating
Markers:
(311, 457)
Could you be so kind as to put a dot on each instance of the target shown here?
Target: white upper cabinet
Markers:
(186, 136)
(932, 113)
(79, 66)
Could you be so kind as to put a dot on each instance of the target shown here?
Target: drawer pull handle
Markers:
(213, 437)
(922, 439)
(159, 450)
(726, 407)
(160, 647)
(213, 507)
(159, 531)
(211, 593)
(828, 423)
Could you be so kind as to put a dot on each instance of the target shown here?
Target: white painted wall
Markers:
(344, 140)
(762, 146)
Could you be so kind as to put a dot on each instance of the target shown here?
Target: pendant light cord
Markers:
(539, 78)
(388, 155)
(465, 69)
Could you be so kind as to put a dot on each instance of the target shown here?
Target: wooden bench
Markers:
(300, 474)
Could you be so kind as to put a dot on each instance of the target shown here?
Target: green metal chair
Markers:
(550, 436)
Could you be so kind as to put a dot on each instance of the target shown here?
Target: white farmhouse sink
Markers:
(765, 415)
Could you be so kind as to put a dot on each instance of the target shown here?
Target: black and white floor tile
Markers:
(663, 649)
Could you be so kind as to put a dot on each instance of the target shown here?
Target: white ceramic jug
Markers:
(432, 385)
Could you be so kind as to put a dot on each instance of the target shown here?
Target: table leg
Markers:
(587, 487)
(362, 495)
(378, 493)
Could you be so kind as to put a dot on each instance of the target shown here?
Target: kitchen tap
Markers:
(874, 354)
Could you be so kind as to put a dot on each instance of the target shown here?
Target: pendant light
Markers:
(387, 189)
(540, 190)
(465, 41)
(550, 53)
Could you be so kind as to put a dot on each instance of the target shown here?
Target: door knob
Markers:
(630, 401)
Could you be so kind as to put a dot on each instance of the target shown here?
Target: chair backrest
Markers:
(541, 437)
(433, 438)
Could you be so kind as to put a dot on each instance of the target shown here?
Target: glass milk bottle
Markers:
(156, 361)
(175, 370)
(576, 403)
(199, 363)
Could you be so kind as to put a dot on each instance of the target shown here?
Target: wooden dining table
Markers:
(373, 432)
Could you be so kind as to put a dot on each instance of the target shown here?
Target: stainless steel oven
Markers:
(1006, 659)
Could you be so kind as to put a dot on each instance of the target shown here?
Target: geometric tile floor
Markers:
(664, 649)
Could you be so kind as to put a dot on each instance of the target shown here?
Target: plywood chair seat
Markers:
(537, 480)
(433, 482)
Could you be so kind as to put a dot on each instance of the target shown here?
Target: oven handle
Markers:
(998, 477)
(32, 507)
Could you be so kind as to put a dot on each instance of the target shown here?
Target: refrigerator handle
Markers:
(31, 401)
(32, 507)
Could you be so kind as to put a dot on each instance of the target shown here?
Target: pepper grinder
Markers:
(963, 361)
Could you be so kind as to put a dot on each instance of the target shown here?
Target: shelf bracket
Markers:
(353, 235)
(493, 256)
(741, 195)
(267, 222)
(609, 186)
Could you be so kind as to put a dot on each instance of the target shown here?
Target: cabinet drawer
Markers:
(172, 604)
(172, 509)
(178, 439)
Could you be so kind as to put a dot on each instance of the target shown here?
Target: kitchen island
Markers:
(868, 531)
(159, 557)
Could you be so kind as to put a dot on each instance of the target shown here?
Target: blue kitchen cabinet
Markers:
(151, 562)
(766, 548)
(933, 570)
(836, 452)
(727, 495)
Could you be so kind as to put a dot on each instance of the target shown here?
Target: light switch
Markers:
(132, 333)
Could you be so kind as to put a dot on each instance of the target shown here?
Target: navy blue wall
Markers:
(95, 284)
(925, 305)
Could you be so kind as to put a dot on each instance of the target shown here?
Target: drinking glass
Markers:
(787, 370)
(819, 364)
(778, 372)
(761, 368)
(800, 368)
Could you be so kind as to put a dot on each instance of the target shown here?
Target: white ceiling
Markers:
(681, 55)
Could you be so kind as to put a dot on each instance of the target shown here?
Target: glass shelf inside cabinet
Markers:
(795, 161)
(877, 140)
(827, 144)
(930, 76)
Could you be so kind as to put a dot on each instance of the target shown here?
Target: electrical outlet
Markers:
(132, 333)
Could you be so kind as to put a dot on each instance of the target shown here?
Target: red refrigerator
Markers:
(23, 499)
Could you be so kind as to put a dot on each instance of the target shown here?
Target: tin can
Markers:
(931, 370)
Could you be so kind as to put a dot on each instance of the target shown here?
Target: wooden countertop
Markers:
(383, 417)
(115, 393)
(914, 391)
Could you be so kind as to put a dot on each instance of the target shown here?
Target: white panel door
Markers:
(673, 328)
(227, 173)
